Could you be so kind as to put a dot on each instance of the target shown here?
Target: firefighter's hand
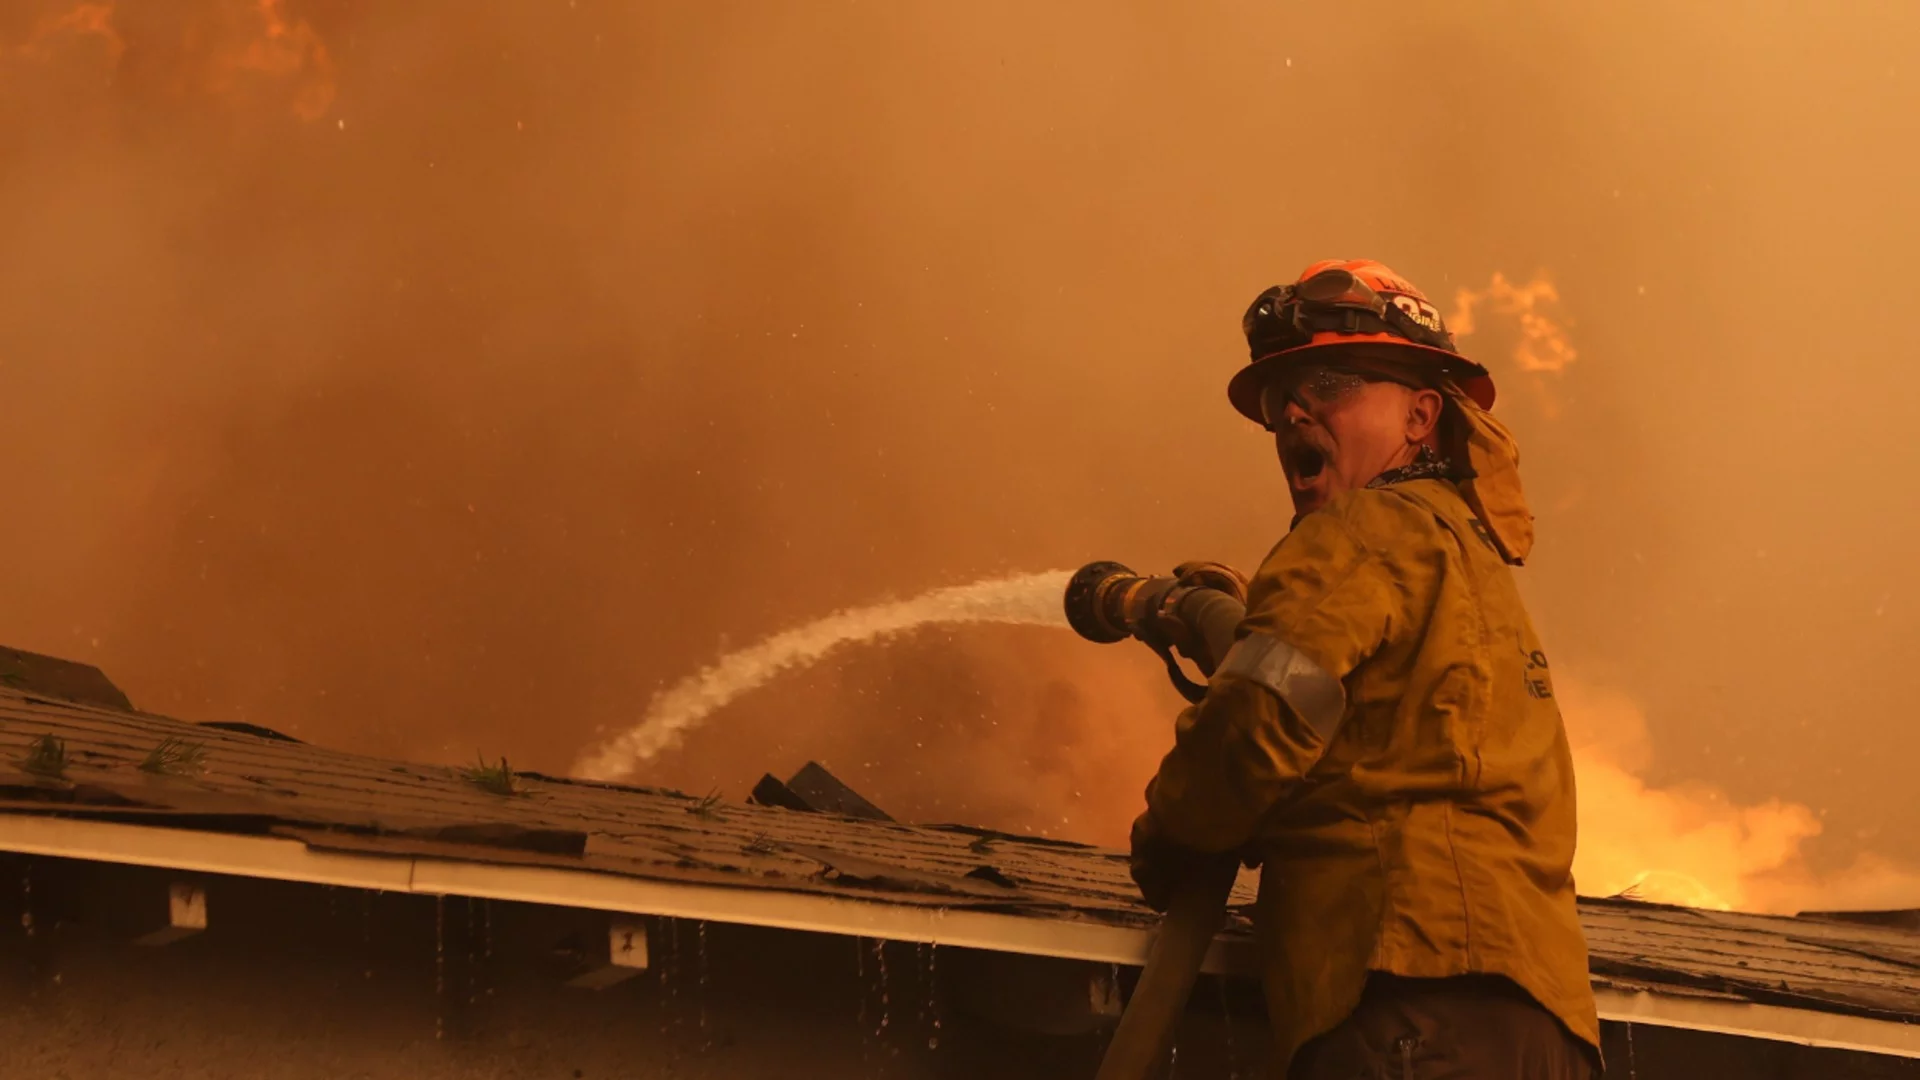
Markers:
(1171, 626)
(1160, 866)
(1199, 623)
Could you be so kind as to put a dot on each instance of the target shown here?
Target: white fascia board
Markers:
(1778, 1023)
(282, 859)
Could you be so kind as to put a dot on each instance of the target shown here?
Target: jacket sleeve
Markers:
(1326, 598)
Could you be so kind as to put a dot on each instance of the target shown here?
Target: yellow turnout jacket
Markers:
(1384, 735)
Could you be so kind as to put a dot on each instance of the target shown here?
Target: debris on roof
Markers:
(1900, 919)
(815, 789)
(68, 680)
(247, 729)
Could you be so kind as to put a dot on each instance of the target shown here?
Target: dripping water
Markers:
(919, 977)
(860, 976)
(659, 960)
(486, 940)
(1226, 1017)
(669, 984)
(932, 1013)
(677, 1010)
(471, 970)
(38, 964)
(366, 935)
(440, 967)
(26, 900)
(880, 962)
(700, 984)
(1633, 1069)
(860, 991)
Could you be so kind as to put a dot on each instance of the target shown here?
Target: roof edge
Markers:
(283, 859)
(1775, 1023)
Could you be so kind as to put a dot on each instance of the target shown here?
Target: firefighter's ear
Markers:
(1423, 415)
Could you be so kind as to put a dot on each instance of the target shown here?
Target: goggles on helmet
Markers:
(1336, 301)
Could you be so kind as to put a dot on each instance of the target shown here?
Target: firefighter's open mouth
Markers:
(1306, 462)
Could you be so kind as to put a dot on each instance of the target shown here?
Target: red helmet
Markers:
(1340, 303)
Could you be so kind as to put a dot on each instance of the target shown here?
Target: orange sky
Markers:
(442, 378)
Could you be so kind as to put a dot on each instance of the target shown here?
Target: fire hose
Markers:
(1195, 613)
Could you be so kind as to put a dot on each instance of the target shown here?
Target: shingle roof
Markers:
(334, 799)
(331, 800)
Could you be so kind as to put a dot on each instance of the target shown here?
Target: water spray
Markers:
(1023, 599)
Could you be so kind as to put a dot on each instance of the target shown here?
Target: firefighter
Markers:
(1382, 739)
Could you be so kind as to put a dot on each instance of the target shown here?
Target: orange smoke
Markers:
(85, 20)
(229, 50)
(722, 339)
(1690, 844)
(293, 51)
(1543, 344)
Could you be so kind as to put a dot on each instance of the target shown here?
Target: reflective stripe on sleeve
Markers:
(1315, 696)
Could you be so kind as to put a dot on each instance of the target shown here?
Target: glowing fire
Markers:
(291, 50)
(1543, 344)
(226, 49)
(1690, 844)
(1687, 844)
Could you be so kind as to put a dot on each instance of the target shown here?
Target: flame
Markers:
(291, 50)
(84, 20)
(1690, 844)
(224, 49)
(1543, 345)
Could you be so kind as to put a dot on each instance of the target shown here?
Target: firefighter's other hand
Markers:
(1160, 866)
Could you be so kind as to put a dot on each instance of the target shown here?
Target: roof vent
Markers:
(49, 676)
(816, 790)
